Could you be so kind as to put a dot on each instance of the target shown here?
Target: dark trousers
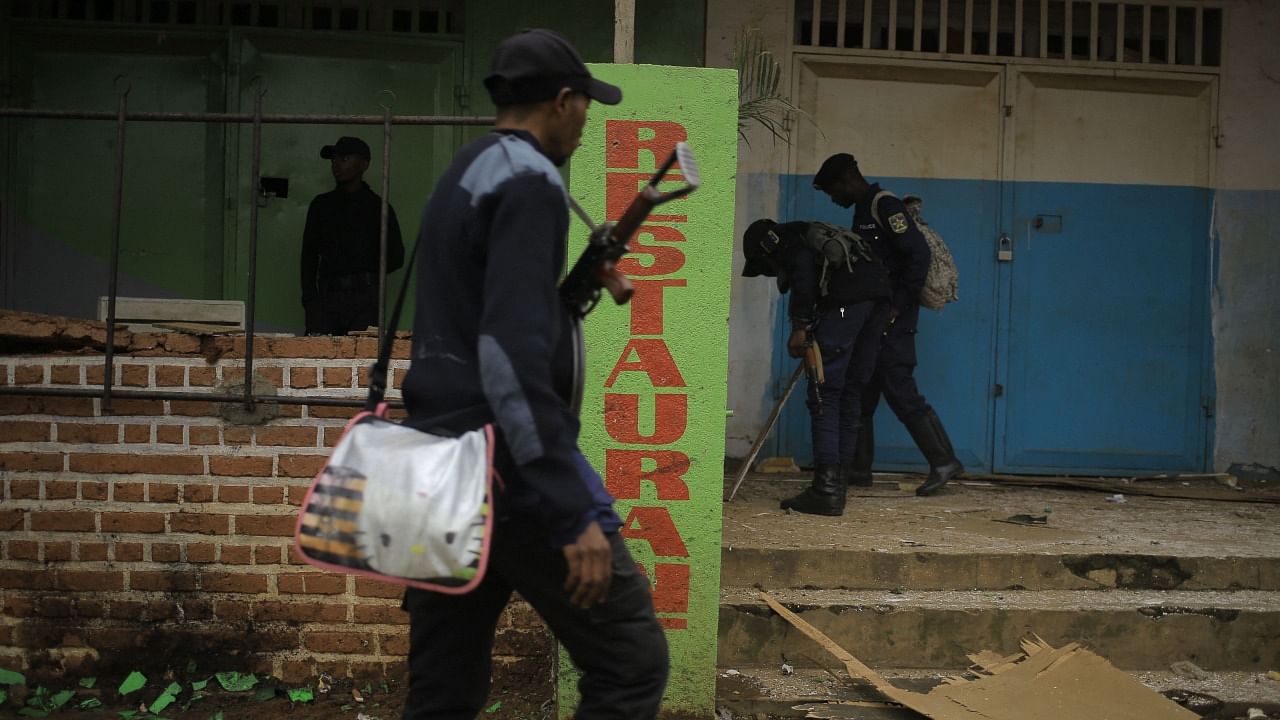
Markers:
(338, 312)
(849, 338)
(618, 644)
(894, 375)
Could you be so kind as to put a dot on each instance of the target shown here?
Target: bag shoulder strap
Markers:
(378, 373)
(875, 206)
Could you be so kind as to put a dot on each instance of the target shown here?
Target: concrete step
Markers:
(926, 569)
(767, 692)
(962, 539)
(1135, 630)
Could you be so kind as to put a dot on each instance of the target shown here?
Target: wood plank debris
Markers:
(1039, 683)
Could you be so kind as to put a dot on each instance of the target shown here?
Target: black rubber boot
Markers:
(858, 472)
(825, 496)
(926, 429)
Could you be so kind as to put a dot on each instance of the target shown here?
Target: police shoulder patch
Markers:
(898, 223)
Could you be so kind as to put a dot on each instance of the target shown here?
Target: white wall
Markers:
(751, 312)
(1246, 302)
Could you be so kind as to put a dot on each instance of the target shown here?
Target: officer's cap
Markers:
(345, 146)
(834, 168)
(758, 242)
(534, 65)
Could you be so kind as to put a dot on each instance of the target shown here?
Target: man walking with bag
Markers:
(493, 342)
(882, 218)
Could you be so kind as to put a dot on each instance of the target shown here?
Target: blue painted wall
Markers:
(1097, 333)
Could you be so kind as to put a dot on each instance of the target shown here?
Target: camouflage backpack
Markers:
(942, 285)
(837, 246)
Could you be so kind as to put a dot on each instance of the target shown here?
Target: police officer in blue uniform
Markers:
(884, 221)
(843, 308)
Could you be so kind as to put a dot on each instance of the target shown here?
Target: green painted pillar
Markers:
(654, 413)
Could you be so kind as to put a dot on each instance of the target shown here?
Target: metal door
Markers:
(1104, 340)
(931, 129)
(61, 192)
(308, 75)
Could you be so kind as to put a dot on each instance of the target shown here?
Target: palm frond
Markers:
(759, 77)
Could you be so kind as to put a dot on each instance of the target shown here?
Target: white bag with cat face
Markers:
(401, 505)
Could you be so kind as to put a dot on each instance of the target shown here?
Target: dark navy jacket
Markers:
(492, 340)
(867, 281)
(899, 243)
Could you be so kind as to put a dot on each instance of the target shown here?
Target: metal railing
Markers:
(257, 118)
(1185, 34)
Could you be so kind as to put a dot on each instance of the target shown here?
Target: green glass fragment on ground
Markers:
(134, 682)
(62, 698)
(4, 696)
(90, 704)
(174, 689)
(236, 682)
(264, 693)
(199, 685)
(33, 712)
(9, 677)
(301, 695)
(494, 707)
(126, 714)
(216, 716)
(88, 683)
(162, 702)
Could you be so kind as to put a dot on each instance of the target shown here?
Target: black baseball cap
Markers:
(533, 65)
(833, 168)
(345, 146)
(758, 242)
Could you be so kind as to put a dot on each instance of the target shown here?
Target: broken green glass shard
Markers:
(236, 682)
(90, 704)
(162, 702)
(88, 683)
(133, 683)
(199, 685)
(62, 698)
(9, 677)
(301, 695)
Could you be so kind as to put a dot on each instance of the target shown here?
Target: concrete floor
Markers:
(909, 585)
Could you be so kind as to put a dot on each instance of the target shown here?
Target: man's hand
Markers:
(590, 559)
(796, 343)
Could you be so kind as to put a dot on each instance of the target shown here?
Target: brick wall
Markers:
(162, 530)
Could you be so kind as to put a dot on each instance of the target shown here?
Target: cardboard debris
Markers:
(1040, 683)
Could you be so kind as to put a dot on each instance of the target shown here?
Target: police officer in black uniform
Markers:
(340, 246)
(897, 240)
(846, 322)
